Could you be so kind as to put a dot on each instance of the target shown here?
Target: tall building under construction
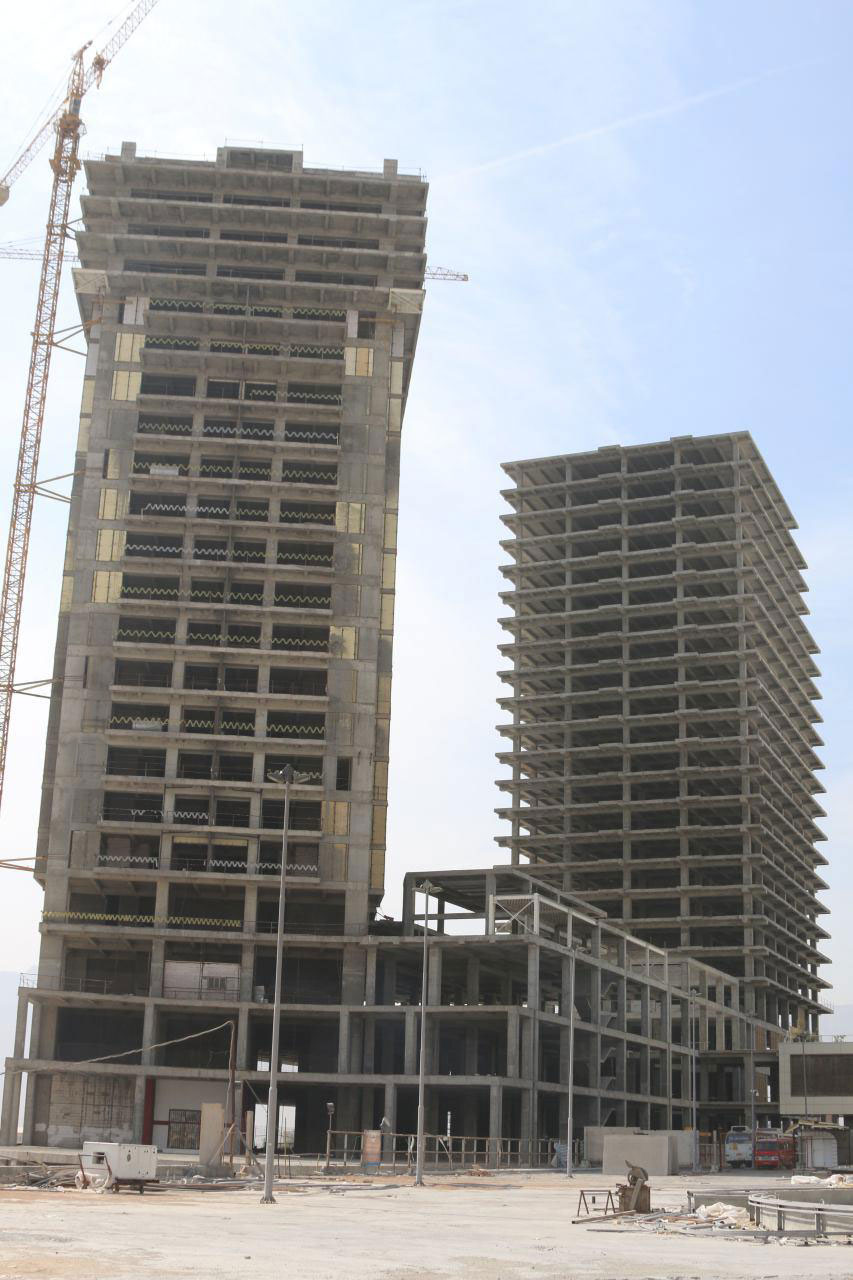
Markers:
(661, 711)
(227, 609)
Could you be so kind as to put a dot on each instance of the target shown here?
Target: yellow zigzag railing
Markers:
(96, 916)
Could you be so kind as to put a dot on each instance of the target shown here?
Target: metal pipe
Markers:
(570, 1121)
(694, 1091)
(805, 1084)
(425, 889)
(230, 1111)
(287, 776)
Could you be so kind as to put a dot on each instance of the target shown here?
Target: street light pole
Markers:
(287, 775)
(694, 1038)
(570, 1121)
(805, 1082)
(426, 888)
(330, 1112)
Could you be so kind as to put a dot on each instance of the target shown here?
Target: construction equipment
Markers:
(67, 125)
(634, 1194)
(17, 864)
(25, 250)
(631, 1197)
(444, 273)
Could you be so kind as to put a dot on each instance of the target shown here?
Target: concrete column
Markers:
(30, 1107)
(148, 1035)
(491, 885)
(564, 1055)
(532, 976)
(21, 1024)
(354, 976)
(531, 1055)
(512, 1043)
(36, 1046)
(434, 978)
(565, 987)
(528, 1123)
(471, 1052)
(410, 1051)
(408, 907)
(247, 971)
(243, 1039)
(389, 1111)
(595, 993)
(370, 977)
(353, 1106)
(528, 1047)
(51, 963)
(368, 1044)
(12, 1080)
(389, 981)
(158, 962)
(138, 1107)
(495, 1122)
(47, 1030)
(161, 901)
(11, 1108)
(356, 1051)
(250, 908)
(344, 1042)
(433, 1038)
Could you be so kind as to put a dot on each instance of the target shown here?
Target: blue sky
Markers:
(653, 203)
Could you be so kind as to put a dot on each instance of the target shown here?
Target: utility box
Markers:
(126, 1161)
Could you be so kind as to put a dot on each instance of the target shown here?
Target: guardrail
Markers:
(85, 986)
(446, 1152)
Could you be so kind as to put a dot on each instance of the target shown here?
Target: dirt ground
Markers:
(502, 1227)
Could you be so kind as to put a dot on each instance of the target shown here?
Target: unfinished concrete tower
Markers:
(661, 733)
(227, 609)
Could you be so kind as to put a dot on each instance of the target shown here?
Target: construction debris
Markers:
(810, 1180)
(723, 1215)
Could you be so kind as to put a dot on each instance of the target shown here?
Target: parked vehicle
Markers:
(738, 1147)
(774, 1150)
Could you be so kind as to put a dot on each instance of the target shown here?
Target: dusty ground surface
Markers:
(502, 1227)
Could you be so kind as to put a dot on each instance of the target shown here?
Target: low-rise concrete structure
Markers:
(505, 951)
(816, 1078)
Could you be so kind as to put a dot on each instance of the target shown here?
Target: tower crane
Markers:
(24, 250)
(64, 121)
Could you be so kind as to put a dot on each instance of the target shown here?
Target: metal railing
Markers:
(229, 990)
(87, 986)
(441, 1152)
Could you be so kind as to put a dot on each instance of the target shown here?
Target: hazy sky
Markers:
(653, 202)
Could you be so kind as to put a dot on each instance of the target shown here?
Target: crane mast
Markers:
(65, 163)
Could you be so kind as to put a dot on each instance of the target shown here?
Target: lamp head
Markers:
(286, 775)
